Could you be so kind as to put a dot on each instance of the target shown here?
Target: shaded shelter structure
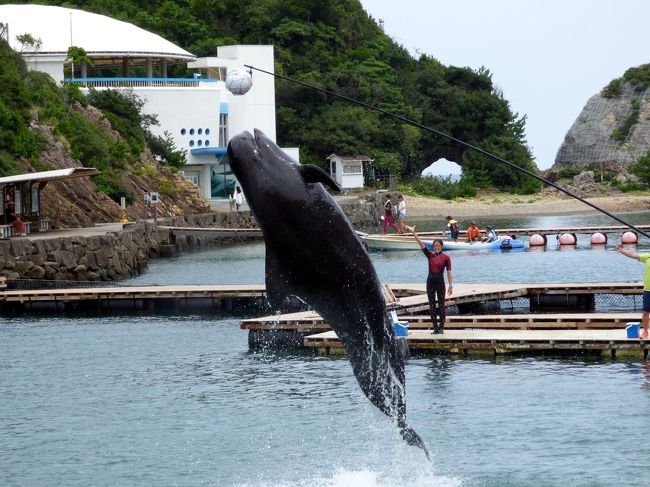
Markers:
(25, 191)
(109, 43)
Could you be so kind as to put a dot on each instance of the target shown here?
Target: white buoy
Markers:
(598, 238)
(537, 240)
(629, 238)
(568, 239)
(239, 81)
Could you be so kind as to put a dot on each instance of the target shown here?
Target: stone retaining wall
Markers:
(97, 258)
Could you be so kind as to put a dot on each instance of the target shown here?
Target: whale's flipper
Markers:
(277, 285)
(413, 439)
(314, 174)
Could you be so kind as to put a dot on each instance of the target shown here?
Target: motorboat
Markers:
(501, 243)
(389, 242)
(407, 242)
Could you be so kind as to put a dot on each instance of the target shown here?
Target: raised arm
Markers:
(417, 238)
(627, 253)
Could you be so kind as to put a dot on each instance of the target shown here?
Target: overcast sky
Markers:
(548, 56)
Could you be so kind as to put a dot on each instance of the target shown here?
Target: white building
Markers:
(199, 113)
(347, 171)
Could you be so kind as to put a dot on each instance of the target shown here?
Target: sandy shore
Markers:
(500, 204)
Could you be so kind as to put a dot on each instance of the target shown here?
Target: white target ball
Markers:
(239, 81)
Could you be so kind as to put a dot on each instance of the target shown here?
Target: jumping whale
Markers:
(313, 253)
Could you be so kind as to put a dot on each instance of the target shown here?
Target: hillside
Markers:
(45, 127)
(612, 131)
(337, 45)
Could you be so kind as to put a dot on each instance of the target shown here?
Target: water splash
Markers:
(370, 478)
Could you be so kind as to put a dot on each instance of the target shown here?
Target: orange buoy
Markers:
(537, 240)
(598, 238)
(568, 239)
(629, 238)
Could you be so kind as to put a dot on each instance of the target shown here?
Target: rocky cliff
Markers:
(613, 129)
(77, 203)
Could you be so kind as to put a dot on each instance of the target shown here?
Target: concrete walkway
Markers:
(98, 229)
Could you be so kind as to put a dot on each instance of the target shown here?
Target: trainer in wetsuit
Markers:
(438, 262)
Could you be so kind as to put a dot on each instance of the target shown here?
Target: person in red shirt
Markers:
(388, 215)
(438, 262)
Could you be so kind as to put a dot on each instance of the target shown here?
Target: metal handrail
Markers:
(142, 82)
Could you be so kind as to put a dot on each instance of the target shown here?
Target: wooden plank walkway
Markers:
(494, 342)
(217, 291)
(309, 322)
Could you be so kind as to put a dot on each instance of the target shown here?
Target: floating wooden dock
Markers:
(414, 300)
(547, 230)
(468, 306)
(610, 343)
(148, 298)
(309, 322)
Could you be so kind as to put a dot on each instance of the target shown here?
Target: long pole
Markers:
(454, 139)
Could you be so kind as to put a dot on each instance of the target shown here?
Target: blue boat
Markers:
(502, 243)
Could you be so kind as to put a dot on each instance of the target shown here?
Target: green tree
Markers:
(336, 45)
(641, 168)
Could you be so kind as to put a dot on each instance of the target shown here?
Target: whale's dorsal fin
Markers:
(314, 174)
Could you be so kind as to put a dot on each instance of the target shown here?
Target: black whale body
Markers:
(312, 252)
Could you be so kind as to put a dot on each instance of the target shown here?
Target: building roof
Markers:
(70, 172)
(101, 37)
(352, 158)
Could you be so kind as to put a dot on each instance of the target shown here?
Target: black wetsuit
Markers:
(436, 288)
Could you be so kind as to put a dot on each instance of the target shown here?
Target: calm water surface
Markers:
(180, 400)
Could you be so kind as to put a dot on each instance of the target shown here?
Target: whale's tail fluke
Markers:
(413, 439)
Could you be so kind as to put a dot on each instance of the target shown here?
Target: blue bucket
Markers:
(632, 329)
(401, 329)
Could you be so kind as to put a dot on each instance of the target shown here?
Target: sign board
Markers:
(153, 198)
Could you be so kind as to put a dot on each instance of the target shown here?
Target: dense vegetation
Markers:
(638, 77)
(336, 45)
(16, 140)
(31, 95)
(621, 133)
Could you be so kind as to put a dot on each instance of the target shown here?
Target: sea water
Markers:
(181, 400)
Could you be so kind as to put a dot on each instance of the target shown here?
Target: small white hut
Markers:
(347, 171)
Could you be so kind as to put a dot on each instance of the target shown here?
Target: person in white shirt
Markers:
(239, 198)
(401, 213)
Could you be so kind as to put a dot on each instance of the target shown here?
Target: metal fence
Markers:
(31, 284)
(605, 303)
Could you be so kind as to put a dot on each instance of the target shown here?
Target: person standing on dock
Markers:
(453, 228)
(401, 213)
(388, 215)
(231, 199)
(239, 198)
(438, 262)
(645, 260)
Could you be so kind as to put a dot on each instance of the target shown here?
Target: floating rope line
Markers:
(454, 139)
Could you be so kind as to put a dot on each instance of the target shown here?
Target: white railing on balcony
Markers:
(142, 82)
